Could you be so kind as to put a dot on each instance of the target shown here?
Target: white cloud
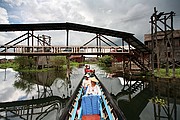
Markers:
(14, 2)
(3, 16)
(123, 15)
(3, 20)
(50, 11)
(14, 17)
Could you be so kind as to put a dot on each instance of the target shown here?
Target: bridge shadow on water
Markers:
(134, 107)
(156, 99)
(133, 97)
(32, 109)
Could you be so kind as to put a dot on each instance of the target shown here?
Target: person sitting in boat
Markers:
(92, 71)
(86, 83)
(93, 89)
(87, 67)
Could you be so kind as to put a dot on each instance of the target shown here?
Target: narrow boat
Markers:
(92, 107)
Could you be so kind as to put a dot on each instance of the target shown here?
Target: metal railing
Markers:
(62, 49)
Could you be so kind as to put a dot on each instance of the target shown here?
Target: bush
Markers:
(25, 62)
(106, 61)
(58, 62)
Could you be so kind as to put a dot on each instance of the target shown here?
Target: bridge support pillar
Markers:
(68, 68)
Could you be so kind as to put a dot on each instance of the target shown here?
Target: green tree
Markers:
(58, 62)
(24, 81)
(25, 62)
(106, 61)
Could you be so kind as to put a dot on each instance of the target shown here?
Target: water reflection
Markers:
(38, 95)
(40, 81)
(53, 91)
(156, 100)
(32, 109)
(166, 98)
(135, 97)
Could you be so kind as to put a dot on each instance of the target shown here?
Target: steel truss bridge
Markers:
(61, 50)
(129, 48)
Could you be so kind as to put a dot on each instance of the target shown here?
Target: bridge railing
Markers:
(62, 49)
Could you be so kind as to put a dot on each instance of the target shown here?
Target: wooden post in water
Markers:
(173, 43)
(67, 57)
(168, 100)
(152, 47)
(153, 92)
(167, 32)
(156, 41)
(175, 107)
(68, 68)
(123, 58)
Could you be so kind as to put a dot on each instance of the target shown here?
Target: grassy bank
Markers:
(162, 73)
(15, 67)
(9, 65)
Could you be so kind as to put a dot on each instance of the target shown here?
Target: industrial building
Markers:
(163, 50)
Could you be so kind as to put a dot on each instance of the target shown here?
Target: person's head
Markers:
(86, 76)
(93, 81)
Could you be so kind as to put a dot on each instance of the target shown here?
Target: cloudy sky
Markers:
(124, 15)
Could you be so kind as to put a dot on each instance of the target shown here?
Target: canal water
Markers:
(134, 98)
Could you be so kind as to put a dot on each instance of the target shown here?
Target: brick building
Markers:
(77, 58)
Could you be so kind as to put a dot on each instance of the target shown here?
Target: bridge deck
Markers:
(128, 37)
(61, 50)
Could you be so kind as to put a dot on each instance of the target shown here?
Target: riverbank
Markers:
(15, 67)
(118, 71)
(8, 65)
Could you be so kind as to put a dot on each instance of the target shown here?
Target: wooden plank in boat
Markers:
(91, 117)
